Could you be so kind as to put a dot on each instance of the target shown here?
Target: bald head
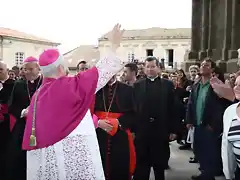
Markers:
(3, 71)
(31, 70)
(3, 65)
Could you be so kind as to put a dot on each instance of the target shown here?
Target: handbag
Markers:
(190, 136)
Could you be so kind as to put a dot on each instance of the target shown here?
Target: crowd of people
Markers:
(115, 121)
(199, 107)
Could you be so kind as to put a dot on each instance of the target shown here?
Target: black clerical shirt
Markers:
(152, 97)
(34, 85)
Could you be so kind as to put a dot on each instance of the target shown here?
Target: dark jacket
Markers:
(213, 110)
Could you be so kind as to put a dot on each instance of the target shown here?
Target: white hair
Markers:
(193, 67)
(52, 69)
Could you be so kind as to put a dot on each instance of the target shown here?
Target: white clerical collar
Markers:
(152, 78)
(110, 84)
(32, 81)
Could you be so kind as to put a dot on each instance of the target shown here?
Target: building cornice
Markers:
(31, 41)
(150, 38)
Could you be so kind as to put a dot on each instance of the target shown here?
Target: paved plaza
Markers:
(181, 169)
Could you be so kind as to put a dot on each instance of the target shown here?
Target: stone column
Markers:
(204, 29)
(210, 26)
(226, 35)
(233, 52)
(227, 29)
(192, 55)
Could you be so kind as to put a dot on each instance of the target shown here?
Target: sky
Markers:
(81, 22)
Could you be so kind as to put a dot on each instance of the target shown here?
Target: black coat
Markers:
(213, 111)
(115, 149)
(152, 138)
(167, 121)
(19, 100)
(5, 93)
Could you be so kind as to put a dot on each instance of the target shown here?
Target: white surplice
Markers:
(76, 157)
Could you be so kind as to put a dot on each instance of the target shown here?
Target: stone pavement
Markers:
(181, 169)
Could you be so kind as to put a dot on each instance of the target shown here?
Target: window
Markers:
(149, 52)
(170, 55)
(19, 56)
(131, 57)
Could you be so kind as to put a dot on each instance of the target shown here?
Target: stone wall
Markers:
(214, 33)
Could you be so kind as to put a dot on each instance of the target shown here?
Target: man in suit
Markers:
(130, 73)
(156, 122)
(205, 112)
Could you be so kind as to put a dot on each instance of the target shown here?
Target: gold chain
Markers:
(111, 102)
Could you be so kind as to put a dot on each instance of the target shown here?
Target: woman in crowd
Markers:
(231, 138)
(185, 84)
(180, 95)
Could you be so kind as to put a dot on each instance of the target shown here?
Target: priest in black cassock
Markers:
(114, 108)
(156, 121)
(22, 93)
(6, 85)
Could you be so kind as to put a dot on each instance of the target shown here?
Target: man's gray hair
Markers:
(194, 67)
(52, 69)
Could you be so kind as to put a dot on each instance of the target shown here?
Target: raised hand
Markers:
(215, 80)
(222, 90)
(115, 36)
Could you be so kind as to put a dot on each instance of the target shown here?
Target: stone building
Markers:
(15, 46)
(215, 27)
(168, 44)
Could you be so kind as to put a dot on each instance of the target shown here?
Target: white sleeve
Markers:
(107, 68)
(228, 157)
